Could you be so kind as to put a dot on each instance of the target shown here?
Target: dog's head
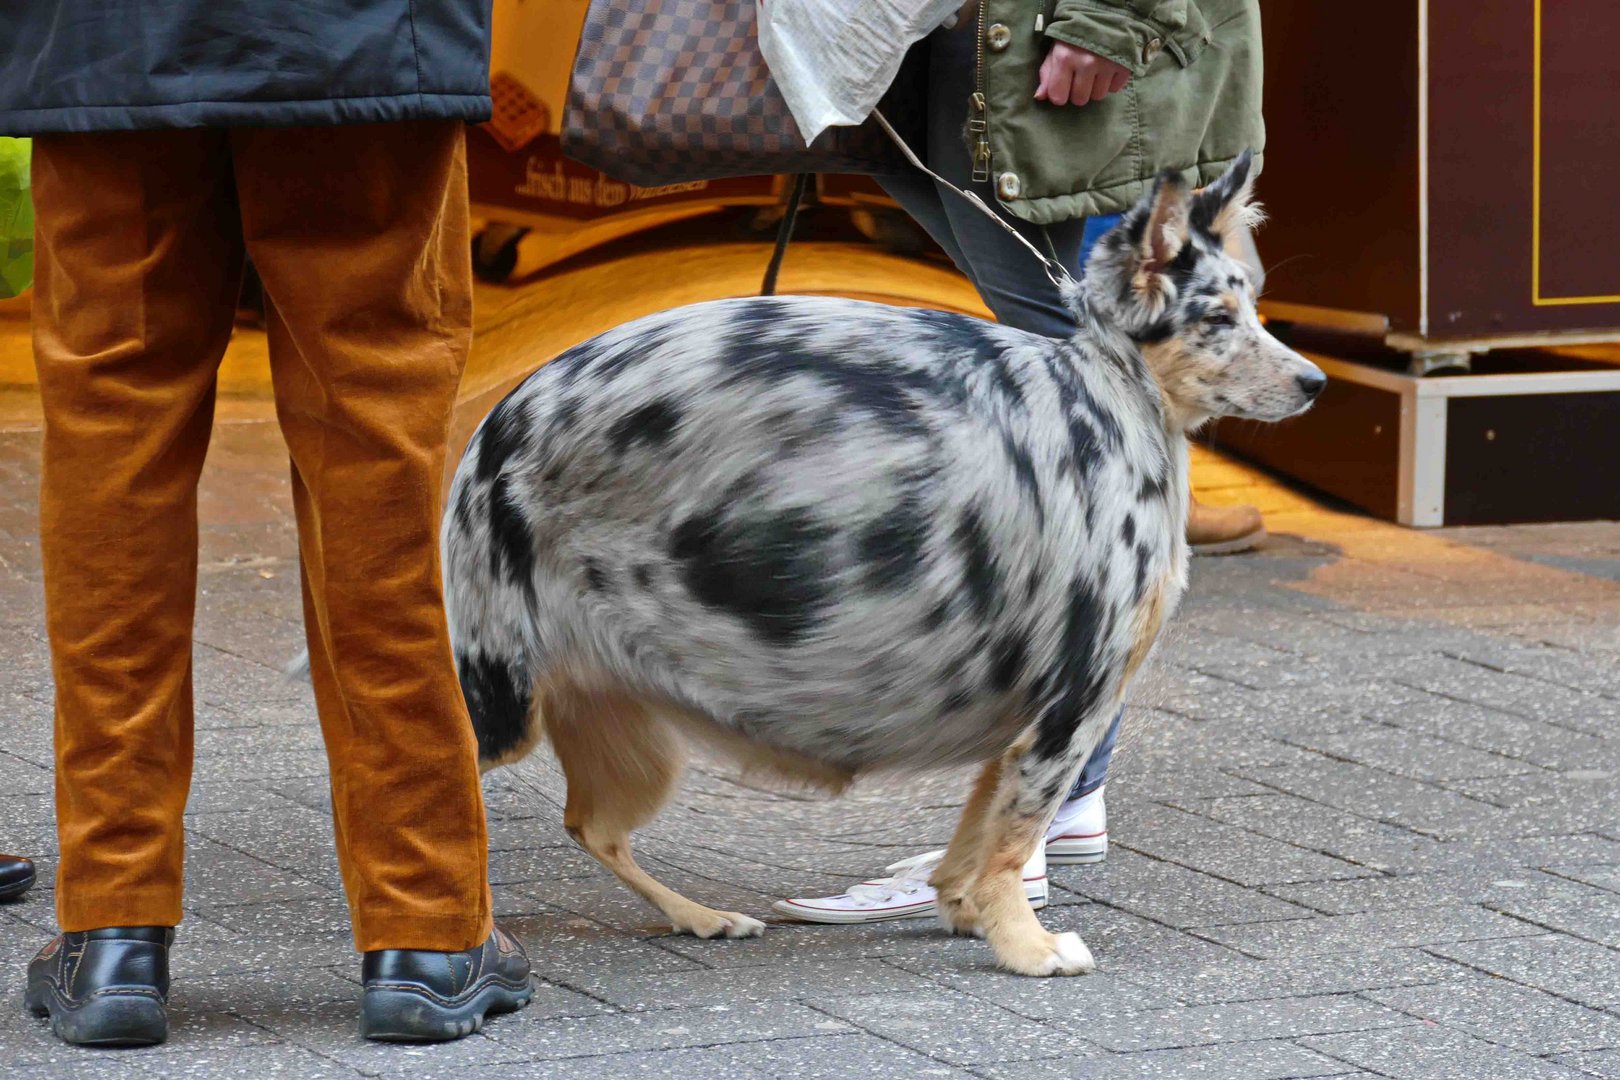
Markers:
(1168, 277)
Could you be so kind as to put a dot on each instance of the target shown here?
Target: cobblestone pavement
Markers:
(1365, 822)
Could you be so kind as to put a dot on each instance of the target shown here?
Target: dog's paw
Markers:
(713, 924)
(741, 926)
(1049, 954)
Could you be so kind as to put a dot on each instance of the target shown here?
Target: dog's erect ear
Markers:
(1225, 205)
(1168, 225)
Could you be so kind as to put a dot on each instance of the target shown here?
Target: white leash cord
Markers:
(1055, 271)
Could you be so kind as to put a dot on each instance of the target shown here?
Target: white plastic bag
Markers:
(833, 59)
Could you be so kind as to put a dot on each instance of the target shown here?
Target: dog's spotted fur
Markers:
(858, 537)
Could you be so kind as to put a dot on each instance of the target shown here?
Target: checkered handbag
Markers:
(673, 91)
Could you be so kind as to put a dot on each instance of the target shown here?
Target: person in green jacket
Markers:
(1061, 116)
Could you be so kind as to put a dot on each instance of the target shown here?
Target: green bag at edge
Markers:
(16, 219)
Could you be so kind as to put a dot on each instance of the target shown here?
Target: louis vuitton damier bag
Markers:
(672, 91)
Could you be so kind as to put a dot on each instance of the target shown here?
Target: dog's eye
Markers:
(1219, 317)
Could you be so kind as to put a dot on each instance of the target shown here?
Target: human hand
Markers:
(1071, 76)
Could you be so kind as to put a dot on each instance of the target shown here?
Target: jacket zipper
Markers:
(978, 122)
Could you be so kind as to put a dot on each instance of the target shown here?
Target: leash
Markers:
(1056, 272)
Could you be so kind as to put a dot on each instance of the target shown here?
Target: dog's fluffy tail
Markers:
(490, 614)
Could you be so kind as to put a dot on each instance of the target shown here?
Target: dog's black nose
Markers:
(1311, 383)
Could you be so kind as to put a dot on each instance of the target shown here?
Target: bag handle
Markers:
(1055, 270)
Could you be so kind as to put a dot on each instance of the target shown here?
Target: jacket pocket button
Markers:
(1151, 49)
(1008, 185)
(998, 37)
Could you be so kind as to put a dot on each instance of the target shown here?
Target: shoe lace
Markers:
(907, 877)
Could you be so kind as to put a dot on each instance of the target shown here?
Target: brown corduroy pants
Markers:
(360, 235)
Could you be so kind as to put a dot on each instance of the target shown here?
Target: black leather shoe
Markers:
(16, 876)
(104, 987)
(413, 995)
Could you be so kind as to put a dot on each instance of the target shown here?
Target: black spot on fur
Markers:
(643, 576)
(1143, 557)
(511, 545)
(1007, 663)
(980, 576)
(567, 414)
(497, 703)
(890, 394)
(936, 616)
(1024, 468)
(653, 425)
(464, 505)
(892, 546)
(500, 438)
(1127, 529)
(767, 569)
(594, 577)
(1154, 487)
(958, 701)
(1156, 332)
(1079, 678)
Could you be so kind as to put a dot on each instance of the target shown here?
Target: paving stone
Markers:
(1225, 851)
(1528, 740)
(1059, 1000)
(954, 1028)
(1498, 1011)
(1604, 1064)
(1247, 979)
(1272, 1060)
(1382, 796)
(1431, 1052)
(1548, 804)
(1174, 895)
(824, 1057)
(518, 1039)
(1378, 846)
(1490, 887)
(1578, 910)
(703, 987)
(1532, 698)
(1369, 930)
(1577, 970)
(1246, 1021)
(1410, 754)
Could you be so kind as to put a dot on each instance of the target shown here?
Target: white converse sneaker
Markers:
(1079, 833)
(905, 895)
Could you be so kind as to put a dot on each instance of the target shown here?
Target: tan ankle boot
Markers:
(1223, 530)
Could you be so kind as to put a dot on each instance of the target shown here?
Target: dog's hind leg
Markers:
(621, 763)
(958, 873)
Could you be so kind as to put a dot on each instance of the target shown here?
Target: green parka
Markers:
(1193, 102)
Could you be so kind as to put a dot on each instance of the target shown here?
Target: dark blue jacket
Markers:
(110, 65)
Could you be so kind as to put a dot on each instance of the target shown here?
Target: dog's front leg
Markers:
(1034, 780)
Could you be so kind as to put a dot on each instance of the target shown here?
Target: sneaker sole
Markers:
(1077, 851)
(119, 1018)
(389, 1015)
(833, 916)
(1231, 547)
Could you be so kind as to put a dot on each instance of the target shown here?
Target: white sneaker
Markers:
(905, 895)
(1079, 833)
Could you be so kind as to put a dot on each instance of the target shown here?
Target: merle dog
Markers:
(836, 537)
